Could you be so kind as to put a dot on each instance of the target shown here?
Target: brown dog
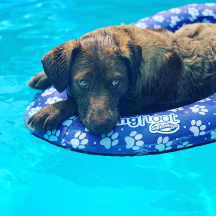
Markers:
(126, 70)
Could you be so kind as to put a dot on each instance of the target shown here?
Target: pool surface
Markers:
(37, 178)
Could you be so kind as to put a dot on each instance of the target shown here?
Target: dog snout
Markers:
(101, 121)
(101, 125)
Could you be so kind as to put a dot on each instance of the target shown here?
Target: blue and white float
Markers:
(172, 130)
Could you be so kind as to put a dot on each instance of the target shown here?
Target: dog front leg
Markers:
(52, 115)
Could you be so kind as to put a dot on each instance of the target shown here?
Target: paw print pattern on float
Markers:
(79, 140)
(213, 134)
(194, 13)
(69, 121)
(52, 135)
(208, 12)
(204, 100)
(30, 105)
(163, 143)
(158, 18)
(109, 139)
(174, 20)
(199, 109)
(134, 141)
(48, 92)
(197, 128)
(177, 109)
(53, 100)
(184, 144)
(175, 10)
(34, 110)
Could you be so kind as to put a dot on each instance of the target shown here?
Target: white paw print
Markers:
(141, 25)
(134, 141)
(176, 109)
(204, 100)
(158, 18)
(69, 121)
(213, 134)
(208, 12)
(194, 13)
(52, 135)
(34, 110)
(199, 109)
(197, 128)
(163, 144)
(109, 139)
(53, 100)
(174, 20)
(175, 10)
(184, 144)
(157, 26)
(210, 4)
(79, 140)
(30, 105)
(206, 21)
(48, 92)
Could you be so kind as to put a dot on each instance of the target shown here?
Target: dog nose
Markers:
(101, 126)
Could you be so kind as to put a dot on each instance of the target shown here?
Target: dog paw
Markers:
(46, 118)
(39, 81)
(52, 115)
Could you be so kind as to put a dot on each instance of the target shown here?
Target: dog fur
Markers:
(125, 70)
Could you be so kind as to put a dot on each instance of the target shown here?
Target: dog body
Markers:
(126, 70)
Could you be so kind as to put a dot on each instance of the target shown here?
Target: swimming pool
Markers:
(37, 178)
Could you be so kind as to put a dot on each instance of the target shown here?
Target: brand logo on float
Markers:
(164, 124)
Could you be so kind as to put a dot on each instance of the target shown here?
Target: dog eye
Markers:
(115, 82)
(83, 83)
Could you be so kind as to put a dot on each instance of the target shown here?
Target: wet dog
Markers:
(126, 70)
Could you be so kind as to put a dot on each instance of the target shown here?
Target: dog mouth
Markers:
(98, 124)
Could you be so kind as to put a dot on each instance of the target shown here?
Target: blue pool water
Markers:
(37, 178)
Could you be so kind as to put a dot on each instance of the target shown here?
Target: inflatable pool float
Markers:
(172, 130)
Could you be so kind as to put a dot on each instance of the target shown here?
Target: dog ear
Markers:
(133, 55)
(57, 63)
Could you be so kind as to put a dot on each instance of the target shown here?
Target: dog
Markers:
(124, 70)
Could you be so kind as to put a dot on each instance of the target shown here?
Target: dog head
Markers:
(97, 71)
